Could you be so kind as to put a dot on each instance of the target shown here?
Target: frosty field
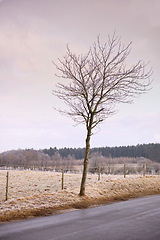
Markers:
(35, 193)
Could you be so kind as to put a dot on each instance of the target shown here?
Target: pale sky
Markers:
(35, 32)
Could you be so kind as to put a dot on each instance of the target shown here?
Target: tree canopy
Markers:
(99, 80)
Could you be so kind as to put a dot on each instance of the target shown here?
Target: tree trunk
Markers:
(85, 167)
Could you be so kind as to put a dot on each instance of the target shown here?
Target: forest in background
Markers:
(111, 160)
(150, 151)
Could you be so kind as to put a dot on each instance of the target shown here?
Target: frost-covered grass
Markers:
(34, 193)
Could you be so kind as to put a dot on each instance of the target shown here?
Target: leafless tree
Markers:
(98, 81)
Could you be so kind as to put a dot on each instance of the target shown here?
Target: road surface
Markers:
(137, 219)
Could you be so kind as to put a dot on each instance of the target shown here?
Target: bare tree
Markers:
(99, 80)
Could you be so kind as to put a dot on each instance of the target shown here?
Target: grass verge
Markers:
(85, 202)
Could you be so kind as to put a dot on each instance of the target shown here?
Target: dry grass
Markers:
(33, 193)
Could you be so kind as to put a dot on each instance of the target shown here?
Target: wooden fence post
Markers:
(124, 170)
(7, 185)
(62, 178)
(144, 170)
(99, 173)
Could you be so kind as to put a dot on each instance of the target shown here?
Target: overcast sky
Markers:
(35, 32)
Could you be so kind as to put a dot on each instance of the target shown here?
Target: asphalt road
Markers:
(137, 219)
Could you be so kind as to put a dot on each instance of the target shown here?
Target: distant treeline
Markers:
(150, 151)
(54, 158)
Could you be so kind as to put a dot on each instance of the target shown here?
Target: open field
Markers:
(35, 193)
